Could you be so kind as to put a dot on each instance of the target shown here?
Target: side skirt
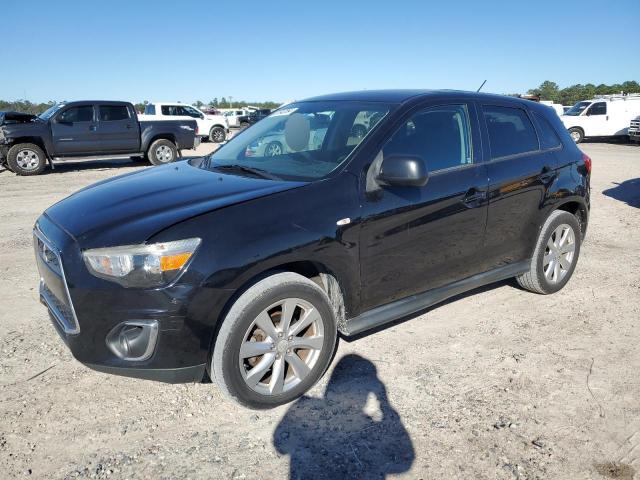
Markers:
(401, 308)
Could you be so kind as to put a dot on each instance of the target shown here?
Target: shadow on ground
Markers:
(627, 192)
(351, 432)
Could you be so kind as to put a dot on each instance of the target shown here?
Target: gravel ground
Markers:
(498, 383)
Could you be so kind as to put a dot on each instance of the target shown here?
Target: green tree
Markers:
(547, 90)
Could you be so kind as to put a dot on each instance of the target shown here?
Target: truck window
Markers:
(598, 108)
(150, 109)
(77, 114)
(510, 131)
(170, 110)
(189, 112)
(112, 113)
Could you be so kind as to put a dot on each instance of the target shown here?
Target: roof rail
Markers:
(619, 96)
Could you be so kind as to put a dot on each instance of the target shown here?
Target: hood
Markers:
(131, 208)
(7, 118)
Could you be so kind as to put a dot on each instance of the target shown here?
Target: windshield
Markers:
(49, 112)
(304, 141)
(577, 109)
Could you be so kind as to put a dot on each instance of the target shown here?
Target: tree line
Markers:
(548, 90)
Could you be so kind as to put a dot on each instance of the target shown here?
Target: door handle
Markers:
(128, 126)
(474, 197)
(547, 175)
(93, 128)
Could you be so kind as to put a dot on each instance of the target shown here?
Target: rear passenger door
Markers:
(74, 131)
(520, 175)
(417, 238)
(117, 129)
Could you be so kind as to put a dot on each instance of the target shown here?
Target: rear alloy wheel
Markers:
(555, 256)
(576, 134)
(26, 159)
(162, 151)
(276, 341)
(217, 135)
(273, 149)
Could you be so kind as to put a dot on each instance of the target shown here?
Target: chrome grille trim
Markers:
(65, 316)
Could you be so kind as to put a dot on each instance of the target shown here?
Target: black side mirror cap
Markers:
(403, 171)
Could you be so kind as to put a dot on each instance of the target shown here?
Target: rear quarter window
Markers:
(548, 136)
(510, 131)
(150, 110)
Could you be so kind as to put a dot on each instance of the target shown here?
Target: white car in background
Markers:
(605, 116)
(213, 127)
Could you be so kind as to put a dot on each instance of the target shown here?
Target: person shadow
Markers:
(351, 432)
(627, 192)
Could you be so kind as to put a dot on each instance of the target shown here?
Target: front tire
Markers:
(26, 159)
(555, 256)
(217, 135)
(162, 151)
(576, 134)
(275, 343)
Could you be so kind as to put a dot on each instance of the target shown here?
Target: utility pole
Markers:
(230, 101)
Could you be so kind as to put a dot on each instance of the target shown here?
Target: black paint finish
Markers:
(399, 241)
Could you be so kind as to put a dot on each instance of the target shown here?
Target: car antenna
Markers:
(481, 86)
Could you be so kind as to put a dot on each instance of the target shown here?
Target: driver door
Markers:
(74, 131)
(413, 238)
(597, 120)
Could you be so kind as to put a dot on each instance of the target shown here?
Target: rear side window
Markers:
(77, 114)
(548, 136)
(169, 110)
(112, 113)
(440, 135)
(150, 110)
(510, 131)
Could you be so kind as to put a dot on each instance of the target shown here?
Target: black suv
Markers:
(247, 266)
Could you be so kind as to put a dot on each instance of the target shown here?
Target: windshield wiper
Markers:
(243, 168)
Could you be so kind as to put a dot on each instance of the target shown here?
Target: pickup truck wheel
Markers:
(273, 149)
(275, 342)
(555, 256)
(217, 135)
(577, 135)
(26, 159)
(162, 151)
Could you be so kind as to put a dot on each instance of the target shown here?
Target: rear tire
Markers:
(217, 135)
(162, 151)
(577, 135)
(286, 328)
(555, 256)
(26, 159)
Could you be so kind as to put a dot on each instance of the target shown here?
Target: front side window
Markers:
(577, 109)
(598, 108)
(77, 114)
(440, 135)
(510, 131)
(112, 113)
(189, 112)
(303, 141)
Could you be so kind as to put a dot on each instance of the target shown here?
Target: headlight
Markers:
(152, 265)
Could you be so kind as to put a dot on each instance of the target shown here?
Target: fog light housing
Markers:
(133, 340)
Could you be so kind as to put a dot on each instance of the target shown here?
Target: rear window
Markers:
(510, 131)
(150, 110)
(112, 113)
(548, 136)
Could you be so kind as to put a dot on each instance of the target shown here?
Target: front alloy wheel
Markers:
(275, 342)
(281, 346)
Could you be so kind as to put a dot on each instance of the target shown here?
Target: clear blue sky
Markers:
(275, 50)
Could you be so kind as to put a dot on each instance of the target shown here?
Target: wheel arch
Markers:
(160, 136)
(35, 140)
(579, 210)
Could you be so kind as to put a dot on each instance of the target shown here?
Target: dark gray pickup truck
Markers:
(89, 129)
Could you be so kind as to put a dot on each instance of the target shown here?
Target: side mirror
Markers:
(403, 171)
(201, 116)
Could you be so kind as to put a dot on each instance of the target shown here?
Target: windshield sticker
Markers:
(283, 112)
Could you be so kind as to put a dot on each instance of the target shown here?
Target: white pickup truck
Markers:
(213, 127)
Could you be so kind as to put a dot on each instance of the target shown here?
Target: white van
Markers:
(604, 116)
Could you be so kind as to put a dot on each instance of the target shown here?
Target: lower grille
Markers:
(61, 312)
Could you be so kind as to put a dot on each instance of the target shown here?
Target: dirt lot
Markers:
(499, 383)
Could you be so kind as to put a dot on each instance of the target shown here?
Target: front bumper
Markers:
(85, 309)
